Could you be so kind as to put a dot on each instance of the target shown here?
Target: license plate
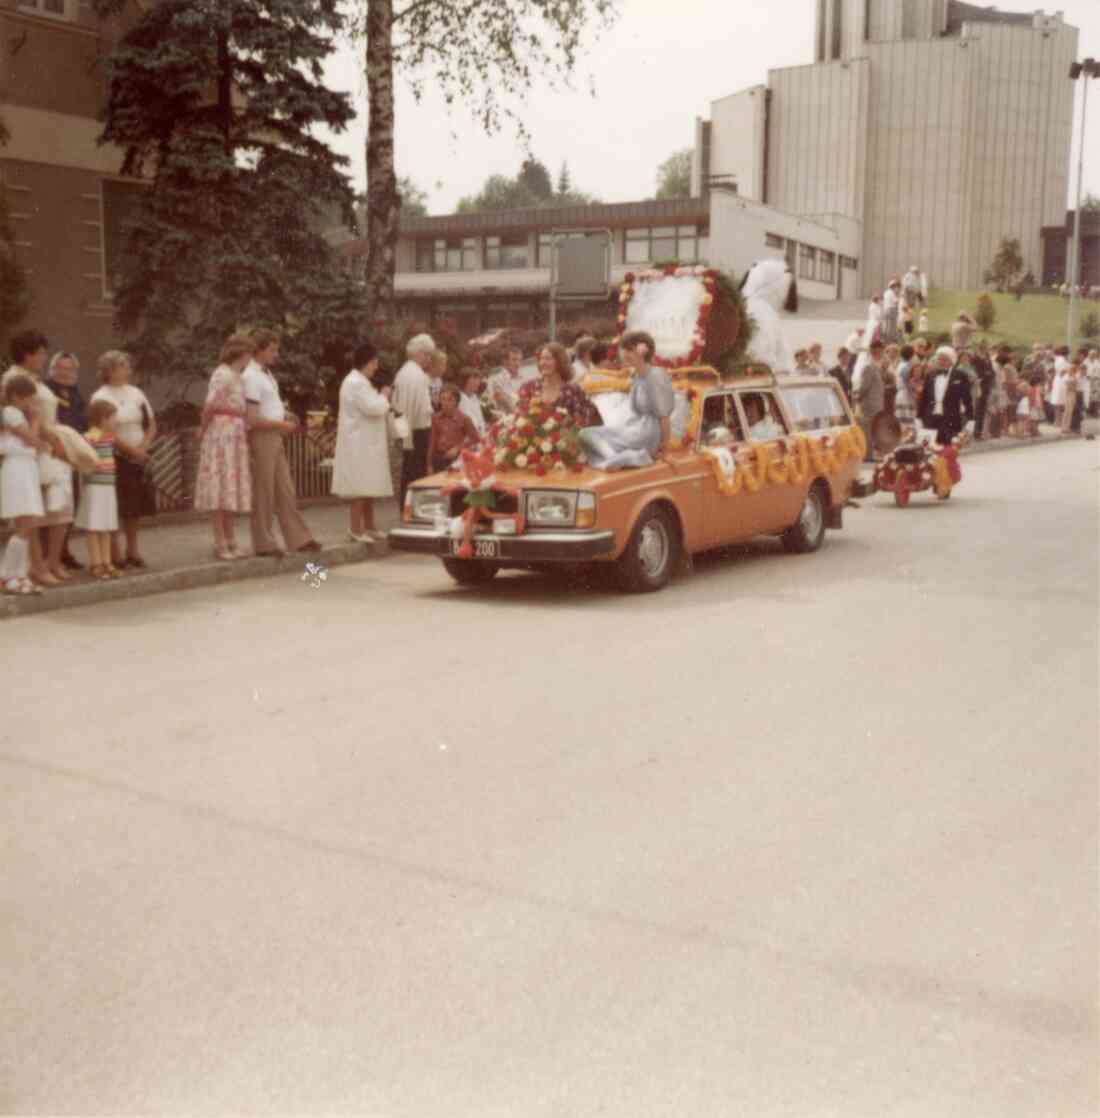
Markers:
(483, 549)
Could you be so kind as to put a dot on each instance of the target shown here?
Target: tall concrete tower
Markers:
(940, 125)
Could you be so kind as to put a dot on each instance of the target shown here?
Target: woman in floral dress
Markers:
(224, 484)
(555, 386)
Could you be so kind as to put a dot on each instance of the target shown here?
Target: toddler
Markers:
(98, 512)
(20, 487)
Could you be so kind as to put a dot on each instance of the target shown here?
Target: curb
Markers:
(213, 573)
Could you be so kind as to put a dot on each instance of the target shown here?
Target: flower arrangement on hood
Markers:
(538, 437)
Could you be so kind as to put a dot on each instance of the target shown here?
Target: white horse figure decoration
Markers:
(767, 286)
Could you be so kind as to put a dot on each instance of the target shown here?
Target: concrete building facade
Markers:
(939, 126)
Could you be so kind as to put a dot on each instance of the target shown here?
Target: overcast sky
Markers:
(659, 68)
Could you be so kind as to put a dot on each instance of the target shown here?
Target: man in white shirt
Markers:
(272, 486)
(470, 404)
(505, 383)
(412, 399)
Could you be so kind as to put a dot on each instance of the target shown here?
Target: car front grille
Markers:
(506, 503)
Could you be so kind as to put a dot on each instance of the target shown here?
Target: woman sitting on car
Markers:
(555, 386)
(643, 435)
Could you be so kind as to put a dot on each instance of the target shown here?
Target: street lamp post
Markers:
(1090, 68)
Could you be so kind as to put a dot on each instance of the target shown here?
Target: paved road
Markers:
(797, 836)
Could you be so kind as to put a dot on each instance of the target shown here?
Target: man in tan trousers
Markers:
(272, 486)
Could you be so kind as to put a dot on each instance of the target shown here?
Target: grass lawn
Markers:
(1035, 318)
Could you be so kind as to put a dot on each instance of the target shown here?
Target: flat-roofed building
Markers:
(939, 126)
(488, 270)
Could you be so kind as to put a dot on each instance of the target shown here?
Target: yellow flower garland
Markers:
(941, 476)
(794, 468)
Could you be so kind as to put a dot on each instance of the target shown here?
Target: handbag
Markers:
(398, 425)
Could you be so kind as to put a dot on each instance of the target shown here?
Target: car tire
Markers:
(807, 533)
(652, 554)
(470, 572)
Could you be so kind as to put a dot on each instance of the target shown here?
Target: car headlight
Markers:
(427, 504)
(555, 508)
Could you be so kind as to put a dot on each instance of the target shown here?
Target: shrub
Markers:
(1090, 326)
(986, 313)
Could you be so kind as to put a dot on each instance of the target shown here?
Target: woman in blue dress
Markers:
(639, 439)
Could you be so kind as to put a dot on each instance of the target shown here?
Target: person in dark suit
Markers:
(946, 403)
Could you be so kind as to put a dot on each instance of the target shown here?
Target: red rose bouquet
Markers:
(539, 437)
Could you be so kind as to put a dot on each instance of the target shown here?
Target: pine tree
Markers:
(565, 185)
(215, 102)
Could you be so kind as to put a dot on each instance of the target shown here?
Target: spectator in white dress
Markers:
(30, 352)
(20, 489)
(361, 471)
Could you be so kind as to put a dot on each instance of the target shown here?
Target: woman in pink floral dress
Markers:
(224, 483)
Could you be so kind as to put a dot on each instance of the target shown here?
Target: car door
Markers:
(728, 518)
(765, 425)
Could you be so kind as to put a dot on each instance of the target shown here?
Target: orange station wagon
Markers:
(757, 455)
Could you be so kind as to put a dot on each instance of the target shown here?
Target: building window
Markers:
(807, 262)
(122, 210)
(773, 240)
(455, 254)
(668, 242)
(826, 266)
(849, 262)
(54, 9)
(546, 246)
(509, 251)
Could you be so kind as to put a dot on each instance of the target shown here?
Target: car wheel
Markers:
(469, 572)
(808, 531)
(652, 553)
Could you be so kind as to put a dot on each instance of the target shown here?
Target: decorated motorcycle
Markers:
(916, 466)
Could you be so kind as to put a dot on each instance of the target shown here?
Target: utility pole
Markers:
(1090, 68)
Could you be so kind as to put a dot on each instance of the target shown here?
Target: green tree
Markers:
(14, 292)
(674, 175)
(565, 183)
(216, 104)
(527, 191)
(414, 201)
(1090, 202)
(482, 53)
(985, 314)
(1007, 265)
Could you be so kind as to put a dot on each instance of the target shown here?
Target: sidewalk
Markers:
(179, 551)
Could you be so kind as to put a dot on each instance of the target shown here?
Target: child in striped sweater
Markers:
(98, 512)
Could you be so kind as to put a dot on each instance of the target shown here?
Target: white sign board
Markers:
(669, 310)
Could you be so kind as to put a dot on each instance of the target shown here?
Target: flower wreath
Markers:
(709, 276)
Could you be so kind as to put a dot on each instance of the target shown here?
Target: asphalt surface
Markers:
(797, 836)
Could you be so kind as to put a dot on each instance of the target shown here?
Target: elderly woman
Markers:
(361, 471)
(555, 386)
(63, 380)
(640, 439)
(135, 430)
